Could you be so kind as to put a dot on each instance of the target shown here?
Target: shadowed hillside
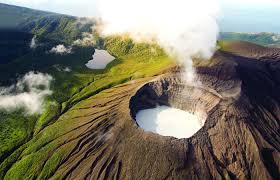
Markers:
(44, 24)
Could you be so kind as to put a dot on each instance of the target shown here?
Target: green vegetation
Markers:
(133, 61)
(14, 16)
(15, 129)
(30, 147)
(50, 113)
(265, 39)
(140, 60)
(224, 45)
(29, 139)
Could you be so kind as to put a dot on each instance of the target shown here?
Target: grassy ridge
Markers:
(133, 61)
(28, 143)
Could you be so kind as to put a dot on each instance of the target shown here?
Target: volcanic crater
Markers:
(239, 139)
(238, 98)
(172, 91)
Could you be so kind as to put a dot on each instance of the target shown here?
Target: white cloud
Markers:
(276, 38)
(88, 7)
(61, 68)
(67, 69)
(87, 39)
(61, 49)
(184, 28)
(33, 43)
(28, 93)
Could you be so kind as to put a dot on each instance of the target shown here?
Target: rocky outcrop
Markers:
(99, 139)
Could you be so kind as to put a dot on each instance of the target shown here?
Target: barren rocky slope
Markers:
(251, 50)
(98, 138)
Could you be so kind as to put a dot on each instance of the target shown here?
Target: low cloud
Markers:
(33, 43)
(87, 39)
(85, 21)
(61, 49)
(61, 68)
(92, 37)
(275, 38)
(28, 93)
(67, 69)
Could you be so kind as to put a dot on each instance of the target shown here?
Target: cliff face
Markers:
(99, 139)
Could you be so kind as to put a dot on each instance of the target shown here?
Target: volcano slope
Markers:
(98, 137)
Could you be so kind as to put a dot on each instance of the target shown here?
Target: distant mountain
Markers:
(44, 24)
(14, 16)
(18, 25)
(265, 39)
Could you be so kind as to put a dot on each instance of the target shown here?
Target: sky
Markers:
(251, 16)
(236, 15)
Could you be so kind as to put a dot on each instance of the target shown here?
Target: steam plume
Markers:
(184, 28)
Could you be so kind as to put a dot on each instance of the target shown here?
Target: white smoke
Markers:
(28, 93)
(184, 28)
(33, 43)
(275, 37)
(67, 69)
(61, 49)
(84, 21)
(87, 39)
(61, 68)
